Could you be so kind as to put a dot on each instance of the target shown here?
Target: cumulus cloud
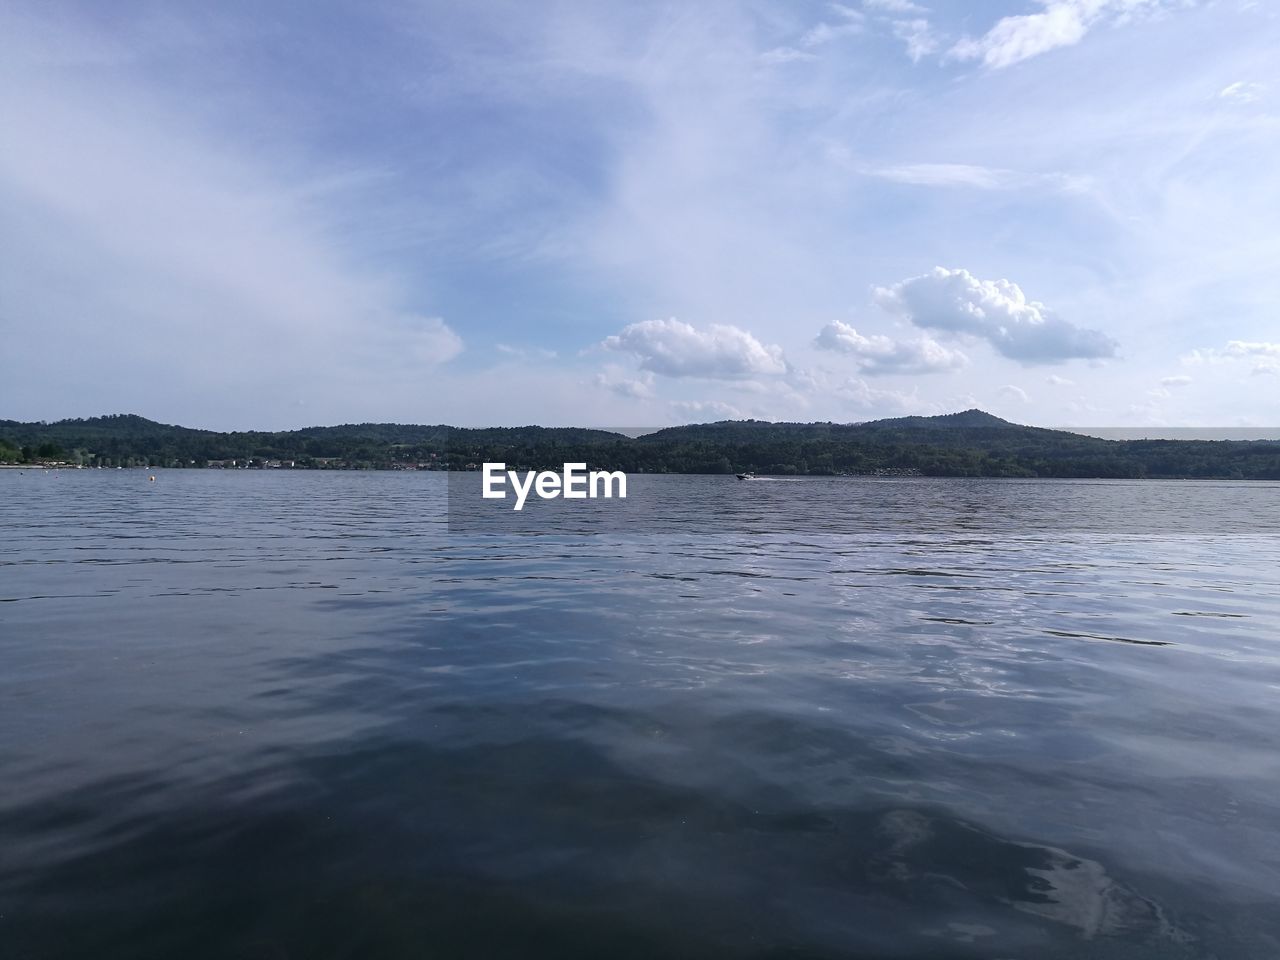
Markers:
(1017, 393)
(995, 310)
(1058, 381)
(876, 354)
(1062, 23)
(1180, 381)
(677, 349)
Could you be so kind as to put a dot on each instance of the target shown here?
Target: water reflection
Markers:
(291, 716)
(542, 846)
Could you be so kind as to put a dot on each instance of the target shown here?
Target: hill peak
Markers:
(964, 420)
(973, 417)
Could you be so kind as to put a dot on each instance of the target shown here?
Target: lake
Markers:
(275, 714)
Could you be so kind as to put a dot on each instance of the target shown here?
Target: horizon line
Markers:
(1117, 432)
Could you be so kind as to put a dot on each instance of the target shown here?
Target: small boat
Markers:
(746, 476)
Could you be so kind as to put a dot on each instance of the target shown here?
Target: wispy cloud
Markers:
(893, 6)
(177, 177)
(634, 387)
(972, 175)
(189, 266)
(1264, 355)
(780, 55)
(1062, 23)
(525, 352)
(1242, 91)
(918, 36)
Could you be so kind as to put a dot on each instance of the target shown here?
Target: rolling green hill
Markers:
(968, 443)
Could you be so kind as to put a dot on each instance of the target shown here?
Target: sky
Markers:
(266, 216)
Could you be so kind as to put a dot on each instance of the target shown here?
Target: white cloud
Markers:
(1179, 381)
(1017, 393)
(971, 175)
(943, 175)
(134, 227)
(877, 354)
(1265, 356)
(1245, 348)
(908, 24)
(826, 32)
(702, 184)
(1241, 92)
(893, 6)
(848, 22)
(677, 349)
(1058, 381)
(918, 36)
(994, 310)
(1062, 23)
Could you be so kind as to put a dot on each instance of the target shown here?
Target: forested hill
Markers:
(969, 443)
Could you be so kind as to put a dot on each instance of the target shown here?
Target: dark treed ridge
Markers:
(969, 443)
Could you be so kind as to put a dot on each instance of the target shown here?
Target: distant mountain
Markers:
(757, 429)
(968, 427)
(967, 443)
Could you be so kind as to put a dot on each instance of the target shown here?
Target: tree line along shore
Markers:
(966, 444)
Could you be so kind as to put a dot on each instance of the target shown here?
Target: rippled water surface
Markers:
(299, 715)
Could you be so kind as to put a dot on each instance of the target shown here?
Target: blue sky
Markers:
(270, 215)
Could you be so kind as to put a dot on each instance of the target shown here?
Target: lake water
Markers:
(312, 715)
